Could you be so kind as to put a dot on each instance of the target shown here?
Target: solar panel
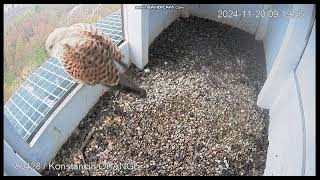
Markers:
(112, 26)
(31, 105)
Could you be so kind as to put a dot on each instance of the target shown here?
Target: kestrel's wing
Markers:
(90, 62)
(106, 42)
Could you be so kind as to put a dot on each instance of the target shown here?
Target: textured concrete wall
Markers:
(159, 20)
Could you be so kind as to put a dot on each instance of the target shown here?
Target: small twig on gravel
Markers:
(84, 163)
(116, 94)
(86, 141)
(83, 146)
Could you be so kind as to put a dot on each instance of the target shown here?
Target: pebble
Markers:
(146, 70)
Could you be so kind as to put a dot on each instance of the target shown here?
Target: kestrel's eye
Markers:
(50, 47)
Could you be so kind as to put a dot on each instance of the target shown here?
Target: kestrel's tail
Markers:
(126, 84)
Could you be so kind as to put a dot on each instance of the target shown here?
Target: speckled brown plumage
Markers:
(87, 54)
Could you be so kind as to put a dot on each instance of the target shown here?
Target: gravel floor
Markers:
(199, 118)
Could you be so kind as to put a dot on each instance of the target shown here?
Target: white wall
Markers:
(159, 20)
(210, 11)
(289, 49)
(289, 93)
(292, 121)
(285, 151)
(136, 23)
(142, 26)
(275, 34)
(306, 80)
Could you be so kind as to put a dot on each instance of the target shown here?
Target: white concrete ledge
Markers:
(288, 56)
(14, 164)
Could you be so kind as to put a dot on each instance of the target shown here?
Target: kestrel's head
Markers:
(53, 40)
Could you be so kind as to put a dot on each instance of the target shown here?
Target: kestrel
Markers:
(90, 57)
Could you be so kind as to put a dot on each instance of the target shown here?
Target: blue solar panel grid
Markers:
(112, 26)
(36, 97)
